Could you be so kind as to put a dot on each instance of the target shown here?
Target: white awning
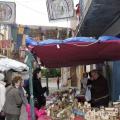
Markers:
(7, 64)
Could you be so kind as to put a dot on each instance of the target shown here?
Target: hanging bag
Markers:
(88, 94)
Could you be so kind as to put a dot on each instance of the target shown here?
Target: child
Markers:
(37, 112)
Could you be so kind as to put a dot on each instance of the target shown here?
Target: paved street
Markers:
(23, 113)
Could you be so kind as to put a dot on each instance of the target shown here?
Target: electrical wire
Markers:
(30, 8)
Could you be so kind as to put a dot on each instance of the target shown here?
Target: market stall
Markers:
(75, 51)
(72, 52)
(63, 106)
(7, 64)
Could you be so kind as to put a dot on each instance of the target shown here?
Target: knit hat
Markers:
(2, 76)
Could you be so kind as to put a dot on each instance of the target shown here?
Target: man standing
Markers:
(99, 89)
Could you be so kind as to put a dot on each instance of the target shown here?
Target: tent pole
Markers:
(47, 92)
(108, 78)
(29, 64)
(84, 68)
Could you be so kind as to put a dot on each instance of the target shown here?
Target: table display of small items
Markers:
(63, 105)
(66, 107)
(60, 95)
(64, 110)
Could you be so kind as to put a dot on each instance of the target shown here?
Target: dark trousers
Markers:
(2, 118)
(12, 117)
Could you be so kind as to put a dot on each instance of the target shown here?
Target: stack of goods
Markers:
(67, 107)
(62, 104)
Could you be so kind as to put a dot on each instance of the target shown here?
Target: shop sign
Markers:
(5, 44)
(60, 9)
(7, 12)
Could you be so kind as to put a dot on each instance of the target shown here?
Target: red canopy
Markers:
(77, 53)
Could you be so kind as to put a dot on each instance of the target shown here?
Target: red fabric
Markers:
(72, 54)
(37, 112)
(57, 81)
(44, 117)
(78, 10)
(78, 119)
(81, 98)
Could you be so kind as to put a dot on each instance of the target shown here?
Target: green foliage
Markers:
(53, 72)
(43, 72)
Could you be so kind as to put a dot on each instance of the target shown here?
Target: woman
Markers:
(13, 102)
(38, 90)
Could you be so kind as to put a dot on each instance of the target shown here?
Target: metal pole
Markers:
(47, 92)
(54, 72)
(108, 78)
(29, 64)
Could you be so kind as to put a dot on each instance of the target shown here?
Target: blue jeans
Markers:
(57, 86)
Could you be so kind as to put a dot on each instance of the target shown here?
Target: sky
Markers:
(34, 12)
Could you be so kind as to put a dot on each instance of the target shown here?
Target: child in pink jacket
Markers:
(37, 112)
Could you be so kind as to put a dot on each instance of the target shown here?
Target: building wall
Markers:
(113, 29)
(6, 31)
(85, 3)
(116, 80)
(73, 24)
(64, 76)
(76, 73)
(5, 34)
(73, 76)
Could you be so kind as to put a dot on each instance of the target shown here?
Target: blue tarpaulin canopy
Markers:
(75, 51)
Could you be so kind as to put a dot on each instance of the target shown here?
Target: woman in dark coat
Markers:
(38, 90)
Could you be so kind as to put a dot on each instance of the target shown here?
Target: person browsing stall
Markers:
(38, 90)
(13, 102)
